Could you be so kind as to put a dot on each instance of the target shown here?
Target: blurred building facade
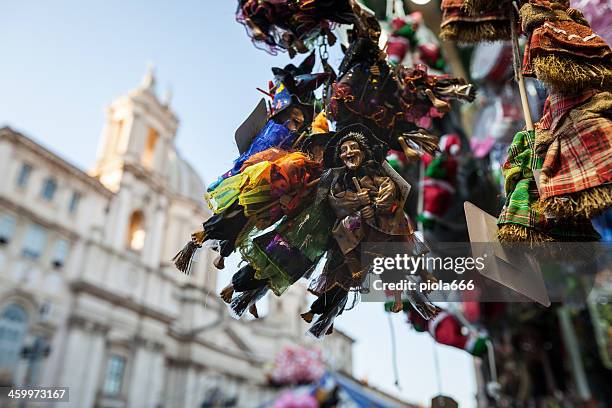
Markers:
(88, 296)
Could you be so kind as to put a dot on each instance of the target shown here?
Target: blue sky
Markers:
(63, 61)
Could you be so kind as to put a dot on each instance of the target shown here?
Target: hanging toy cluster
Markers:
(295, 365)
(302, 197)
(447, 329)
(411, 40)
(440, 180)
(572, 142)
(558, 171)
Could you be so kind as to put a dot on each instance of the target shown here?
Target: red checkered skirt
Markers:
(580, 157)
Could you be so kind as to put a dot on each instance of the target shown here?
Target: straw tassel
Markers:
(587, 203)
(563, 73)
(471, 33)
(184, 258)
(519, 233)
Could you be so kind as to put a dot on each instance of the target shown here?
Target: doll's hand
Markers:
(198, 237)
(367, 212)
(364, 198)
(439, 104)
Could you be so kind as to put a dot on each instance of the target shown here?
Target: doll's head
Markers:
(351, 154)
(353, 146)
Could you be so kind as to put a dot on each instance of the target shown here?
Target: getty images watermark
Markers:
(484, 272)
(411, 265)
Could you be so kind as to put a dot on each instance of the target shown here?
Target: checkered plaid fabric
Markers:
(520, 186)
(580, 155)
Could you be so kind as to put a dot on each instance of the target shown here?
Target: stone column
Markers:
(117, 220)
(153, 244)
(83, 361)
(147, 374)
(6, 149)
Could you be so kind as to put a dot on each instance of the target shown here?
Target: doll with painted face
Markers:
(368, 205)
(276, 259)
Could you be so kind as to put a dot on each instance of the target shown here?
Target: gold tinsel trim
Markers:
(519, 233)
(476, 32)
(572, 73)
(588, 203)
(533, 16)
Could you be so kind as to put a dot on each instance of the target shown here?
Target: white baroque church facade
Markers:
(88, 296)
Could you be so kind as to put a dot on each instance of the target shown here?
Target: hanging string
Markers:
(516, 58)
(398, 9)
(516, 62)
(437, 367)
(393, 352)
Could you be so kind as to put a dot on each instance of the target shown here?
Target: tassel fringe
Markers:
(587, 203)
(184, 258)
(472, 32)
(519, 233)
(243, 301)
(571, 73)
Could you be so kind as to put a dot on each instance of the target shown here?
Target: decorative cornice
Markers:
(252, 359)
(89, 325)
(36, 148)
(149, 344)
(118, 300)
(52, 225)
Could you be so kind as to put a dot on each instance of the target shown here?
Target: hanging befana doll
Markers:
(266, 140)
(292, 25)
(368, 206)
(291, 111)
(278, 258)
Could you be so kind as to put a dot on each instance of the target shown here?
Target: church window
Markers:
(49, 189)
(136, 231)
(13, 328)
(74, 202)
(60, 252)
(34, 243)
(24, 175)
(113, 378)
(149, 151)
(7, 228)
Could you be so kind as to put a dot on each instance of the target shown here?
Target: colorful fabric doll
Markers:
(227, 223)
(563, 51)
(446, 329)
(368, 207)
(269, 185)
(424, 97)
(519, 219)
(299, 81)
(292, 109)
(278, 258)
(391, 102)
(522, 219)
(440, 180)
(366, 90)
(467, 22)
(292, 24)
(575, 139)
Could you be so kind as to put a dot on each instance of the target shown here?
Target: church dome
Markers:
(183, 180)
